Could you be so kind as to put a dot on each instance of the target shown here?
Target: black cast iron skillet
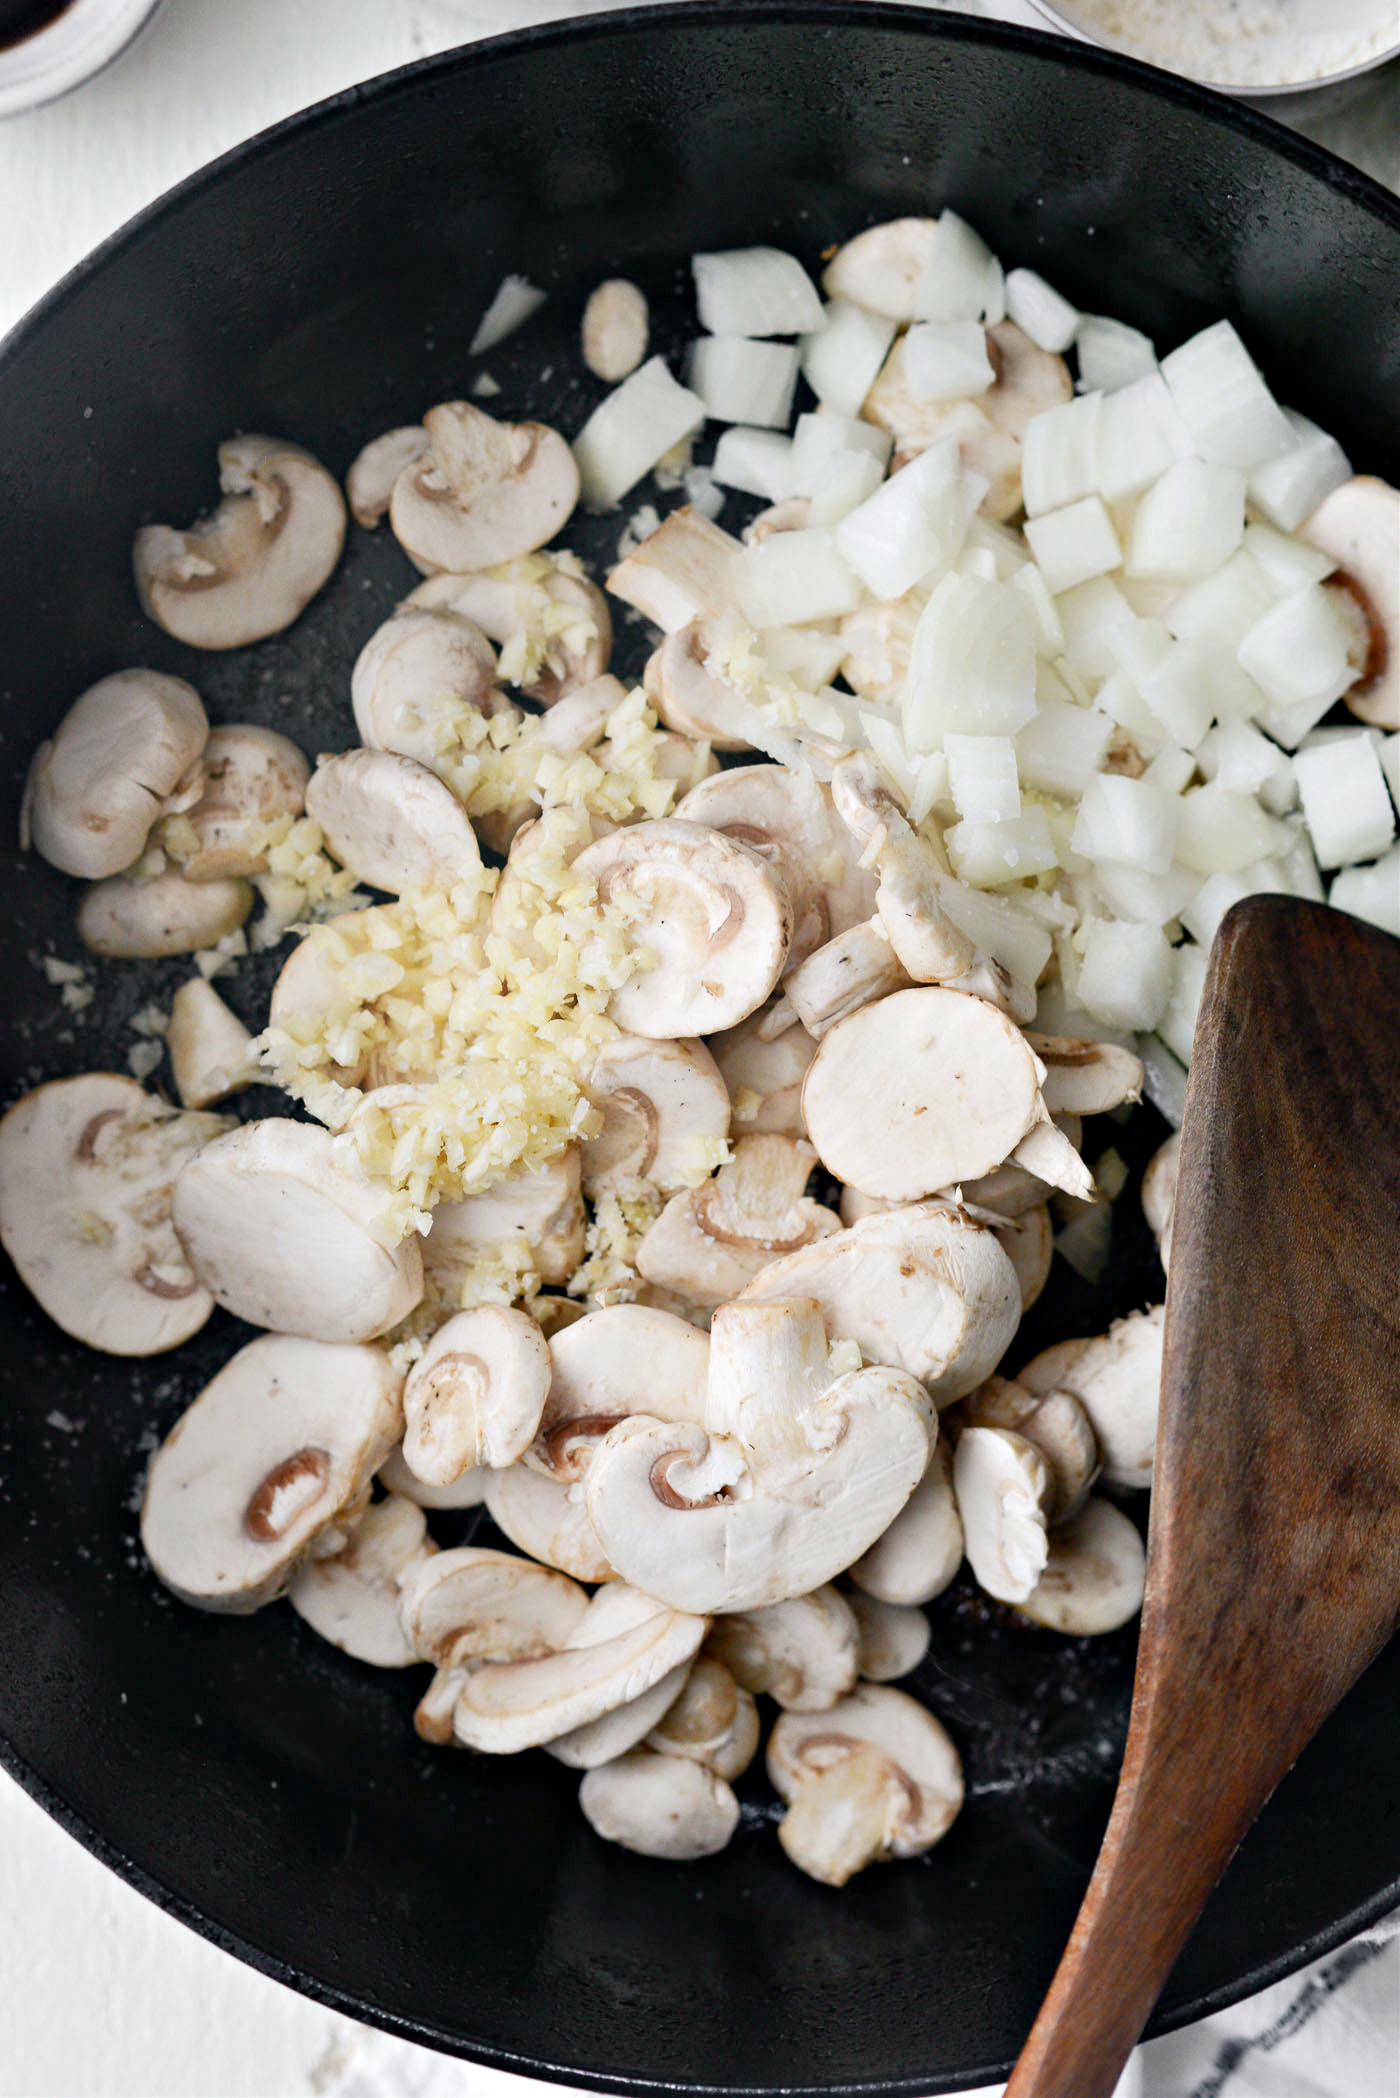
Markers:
(321, 284)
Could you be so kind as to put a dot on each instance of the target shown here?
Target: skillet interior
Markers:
(322, 284)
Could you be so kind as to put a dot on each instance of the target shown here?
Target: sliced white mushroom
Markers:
(878, 269)
(475, 1394)
(352, 1597)
(541, 1210)
(922, 1288)
(713, 1721)
(412, 668)
(549, 620)
(802, 1653)
(1359, 526)
(251, 777)
(309, 988)
(616, 1609)
(392, 822)
(1004, 1490)
(709, 1242)
(287, 1435)
(250, 568)
(1117, 1378)
(97, 786)
(282, 1236)
(1055, 1422)
(717, 919)
(616, 325)
(918, 1556)
(468, 1491)
(460, 1608)
(127, 920)
(894, 1637)
(876, 1777)
(210, 1048)
(485, 493)
(85, 1170)
(658, 1807)
(1086, 1078)
(764, 1076)
(1159, 1193)
(790, 515)
(853, 971)
(1094, 1576)
(987, 429)
(373, 471)
(687, 694)
(661, 1101)
(681, 573)
(1029, 1244)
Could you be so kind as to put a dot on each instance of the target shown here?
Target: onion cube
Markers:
(1234, 755)
(1000, 927)
(1060, 454)
(1285, 563)
(1050, 634)
(1163, 1078)
(744, 382)
(850, 479)
(1224, 402)
(1095, 617)
(1150, 899)
(1074, 544)
(947, 361)
(1125, 973)
(1372, 893)
(987, 854)
(841, 360)
(1346, 805)
(961, 279)
(818, 438)
(1217, 894)
(913, 524)
(1220, 609)
(1177, 1022)
(1179, 692)
(630, 429)
(755, 291)
(757, 462)
(1062, 748)
(1221, 832)
(1189, 522)
(972, 661)
(1127, 820)
(1141, 433)
(1297, 654)
(1111, 354)
(982, 777)
(1118, 698)
(1171, 769)
(1039, 311)
(1289, 486)
(792, 577)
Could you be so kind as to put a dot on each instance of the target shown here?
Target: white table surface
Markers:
(101, 1995)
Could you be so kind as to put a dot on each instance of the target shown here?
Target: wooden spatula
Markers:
(1273, 1561)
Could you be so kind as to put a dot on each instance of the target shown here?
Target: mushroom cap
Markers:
(803, 1745)
(689, 697)
(559, 612)
(251, 776)
(510, 1705)
(276, 1444)
(849, 973)
(659, 1807)
(927, 1089)
(468, 1491)
(408, 668)
(1358, 524)
(281, 1236)
(712, 1240)
(374, 470)
(1117, 1378)
(657, 1098)
(772, 1069)
(210, 1048)
(309, 988)
(476, 1394)
(1159, 1191)
(879, 268)
(487, 492)
(392, 822)
(918, 1556)
(787, 815)
(801, 1652)
(680, 572)
(472, 1604)
(723, 1550)
(718, 921)
(1003, 1487)
(251, 567)
(127, 920)
(1058, 1426)
(1094, 1576)
(85, 1170)
(923, 1289)
(713, 1721)
(352, 1598)
(1086, 1078)
(96, 787)
(616, 324)
(894, 1637)
(543, 1207)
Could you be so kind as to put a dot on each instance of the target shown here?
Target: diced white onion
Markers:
(1000, 927)
(1149, 899)
(1289, 487)
(702, 491)
(1221, 832)
(961, 279)
(1126, 820)
(1346, 805)
(1217, 894)
(1119, 698)
(1125, 973)
(930, 785)
(755, 291)
(1224, 402)
(840, 360)
(1136, 646)
(1141, 433)
(1111, 354)
(1163, 1078)
(1188, 522)
(1061, 749)
(792, 577)
(982, 777)
(741, 381)
(1060, 454)
(887, 742)
(637, 424)
(809, 659)
(755, 461)
(1372, 893)
(1074, 544)
(1038, 309)
(947, 361)
(1180, 691)
(913, 524)
(1297, 655)
(1389, 753)
(1300, 863)
(515, 300)
(850, 479)
(1095, 617)
(1236, 756)
(1177, 1025)
(978, 561)
(1172, 769)
(972, 662)
(988, 854)
(1219, 610)
(1050, 633)
(818, 438)
(1285, 562)
(1001, 543)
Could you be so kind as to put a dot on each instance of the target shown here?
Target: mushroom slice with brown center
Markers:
(923, 1288)
(392, 822)
(714, 1721)
(1029, 1243)
(541, 1210)
(1117, 1379)
(718, 922)
(894, 1637)
(764, 1077)
(879, 268)
(127, 920)
(1094, 1575)
(475, 1395)
(549, 620)
(708, 1243)
(787, 815)
(1086, 1078)
(1004, 1491)
(802, 1652)
(1359, 526)
(875, 1777)
(412, 672)
(284, 1437)
(352, 1598)
(681, 573)
(251, 568)
(252, 777)
(97, 786)
(658, 1807)
(846, 975)
(1058, 1426)
(210, 1048)
(85, 1170)
(369, 484)
(470, 1605)
(661, 1102)
(486, 493)
(281, 1236)
(1159, 1193)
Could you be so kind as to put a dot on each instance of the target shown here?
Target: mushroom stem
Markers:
(841, 1818)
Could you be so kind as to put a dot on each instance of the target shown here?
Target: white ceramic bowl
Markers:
(81, 41)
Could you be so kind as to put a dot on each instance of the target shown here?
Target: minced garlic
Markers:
(621, 1219)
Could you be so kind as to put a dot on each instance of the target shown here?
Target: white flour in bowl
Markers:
(1245, 43)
